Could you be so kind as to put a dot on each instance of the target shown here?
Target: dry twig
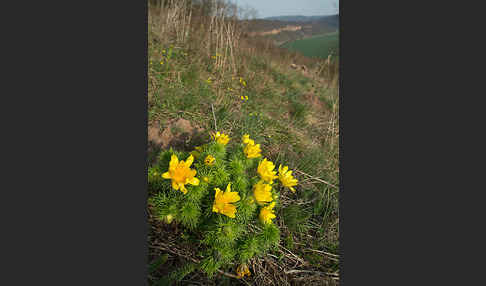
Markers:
(317, 179)
(214, 117)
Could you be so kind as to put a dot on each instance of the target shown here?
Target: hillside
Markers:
(331, 21)
(205, 75)
(319, 46)
(285, 29)
(295, 18)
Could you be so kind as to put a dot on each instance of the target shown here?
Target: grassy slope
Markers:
(294, 117)
(318, 46)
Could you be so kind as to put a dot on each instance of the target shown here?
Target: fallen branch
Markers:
(293, 255)
(323, 252)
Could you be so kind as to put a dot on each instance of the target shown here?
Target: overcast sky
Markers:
(268, 8)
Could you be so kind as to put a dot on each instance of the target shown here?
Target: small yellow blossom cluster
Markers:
(209, 160)
(220, 138)
(209, 81)
(223, 201)
(181, 174)
(286, 178)
(242, 270)
(217, 55)
(262, 190)
(251, 150)
(242, 81)
(244, 98)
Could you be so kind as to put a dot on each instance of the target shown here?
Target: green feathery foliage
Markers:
(233, 225)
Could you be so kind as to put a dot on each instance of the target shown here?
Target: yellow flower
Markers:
(246, 97)
(206, 179)
(251, 150)
(267, 214)
(209, 160)
(246, 139)
(181, 174)
(262, 192)
(222, 201)
(286, 178)
(221, 138)
(265, 170)
(242, 270)
(242, 98)
(168, 218)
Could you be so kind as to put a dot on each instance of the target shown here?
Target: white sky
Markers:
(268, 8)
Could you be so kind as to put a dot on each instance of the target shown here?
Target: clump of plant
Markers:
(225, 194)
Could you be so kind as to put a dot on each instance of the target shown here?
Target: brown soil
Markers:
(179, 134)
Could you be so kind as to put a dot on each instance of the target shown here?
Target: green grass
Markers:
(318, 46)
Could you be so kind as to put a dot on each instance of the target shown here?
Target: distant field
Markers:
(318, 46)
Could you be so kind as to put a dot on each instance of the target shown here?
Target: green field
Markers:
(318, 46)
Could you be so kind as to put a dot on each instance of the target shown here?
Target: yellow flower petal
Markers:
(231, 197)
(229, 210)
(194, 181)
(246, 138)
(174, 161)
(166, 175)
(189, 161)
(183, 188)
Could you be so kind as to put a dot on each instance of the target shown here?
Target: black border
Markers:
(78, 132)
